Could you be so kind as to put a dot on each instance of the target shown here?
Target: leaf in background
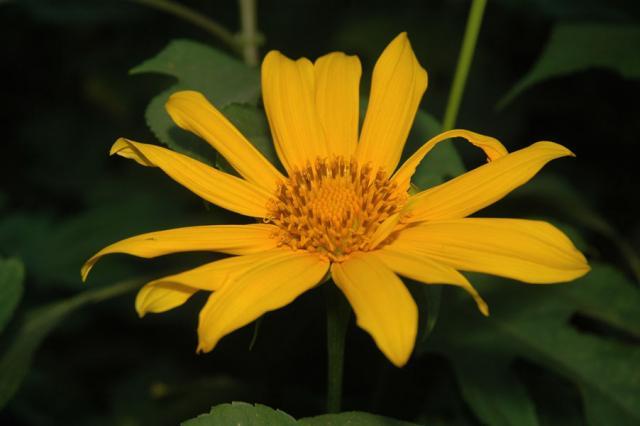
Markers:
(352, 418)
(579, 47)
(53, 251)
(222, 79)
(39, 323)
(554, 192)
(493, 391)
(11, 289)
(533, 322)
(252, 122)
(241, 413)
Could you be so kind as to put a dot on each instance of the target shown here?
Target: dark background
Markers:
(67, 96)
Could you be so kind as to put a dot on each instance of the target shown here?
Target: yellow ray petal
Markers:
(491, 146)
(232, 239)
(192, 111)
(421, 268)
(169, 292)
(382, 304)
(338, 101)
(385, 229)
(288, 91)
(162, 297)
(268, 285)
(527, 250)
(484, 185)
(220, 188)
(397, 86)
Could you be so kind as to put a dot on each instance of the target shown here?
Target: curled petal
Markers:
(491, 146)
(484, 185)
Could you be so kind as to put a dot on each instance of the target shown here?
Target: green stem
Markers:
(196, 18)
(338, 313)
(474, 22)
(249, 31)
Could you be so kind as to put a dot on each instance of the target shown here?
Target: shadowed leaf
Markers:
(534, 323)
(39, 323)
(579, 47)
(11, 277)
(222, 79)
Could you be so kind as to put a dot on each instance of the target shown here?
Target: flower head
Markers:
(343, 206)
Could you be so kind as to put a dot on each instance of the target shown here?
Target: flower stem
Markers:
(474, 22)
(196, 18)
(249, 31)
(338, 313)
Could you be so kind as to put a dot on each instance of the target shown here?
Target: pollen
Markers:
(334, 207)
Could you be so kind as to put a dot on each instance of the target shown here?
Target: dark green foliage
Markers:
(243, 414)
(11, 288)
(547, 355)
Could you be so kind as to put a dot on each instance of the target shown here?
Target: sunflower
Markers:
(344, 208)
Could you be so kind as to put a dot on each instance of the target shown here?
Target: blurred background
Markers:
(565, 71)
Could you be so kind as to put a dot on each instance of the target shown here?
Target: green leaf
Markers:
(352, 418)
(222, 79)
(242, 414)
(493, 391)
(442, 163)
(252, 123)
(579, 47)
(55, 260)
(15, 362)
(534, 323)
(11, 288)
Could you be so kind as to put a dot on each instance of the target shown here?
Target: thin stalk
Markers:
(196, 18)
(338, 313)
(474, 22)
(249, 31)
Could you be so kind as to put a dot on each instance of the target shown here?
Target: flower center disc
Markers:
(333, 207)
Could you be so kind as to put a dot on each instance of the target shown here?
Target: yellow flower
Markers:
(343, 208)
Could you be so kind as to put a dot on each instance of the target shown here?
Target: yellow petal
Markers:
(288, 91)
(385, 229)
(484, 185)
(192, 111)
(397, 86)
(421, 268)
(491, 146)
(219, 188)
(232, 239)
(169, 292)
(338, 101)
(268, 285)
(527, 250)
(162, 297)
(382, 304)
